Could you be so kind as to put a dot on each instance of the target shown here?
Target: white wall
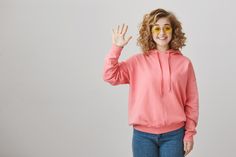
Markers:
(53, 101)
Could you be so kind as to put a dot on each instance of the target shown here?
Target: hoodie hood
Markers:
(170, 53)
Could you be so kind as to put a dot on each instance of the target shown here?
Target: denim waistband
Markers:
(147, 133)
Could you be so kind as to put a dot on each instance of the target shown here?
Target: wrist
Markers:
(118, 45)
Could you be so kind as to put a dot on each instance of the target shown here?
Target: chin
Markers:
(161, 44)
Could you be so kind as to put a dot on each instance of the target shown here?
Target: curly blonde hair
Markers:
(145, 40)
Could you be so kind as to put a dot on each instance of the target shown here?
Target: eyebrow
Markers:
(158, 24)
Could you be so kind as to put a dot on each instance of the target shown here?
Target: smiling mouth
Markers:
(163, 38)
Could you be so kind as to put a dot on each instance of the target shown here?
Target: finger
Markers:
(189, 149)
(125, 29)
(113, 38)
(117, 31)
(129, 39)
(186, 153)
(121, 32)
(185, 146)
(189, 146)
(113, 33)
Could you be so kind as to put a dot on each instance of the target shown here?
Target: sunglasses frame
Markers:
(153, 26)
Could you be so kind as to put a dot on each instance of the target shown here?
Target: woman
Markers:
(163, 103)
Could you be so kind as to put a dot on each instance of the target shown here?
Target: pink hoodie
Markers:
(163, 94)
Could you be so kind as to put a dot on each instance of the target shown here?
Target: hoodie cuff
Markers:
(188, 137)
(115, 51)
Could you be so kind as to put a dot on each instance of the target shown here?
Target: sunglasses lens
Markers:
(157, 29)
(167, 29)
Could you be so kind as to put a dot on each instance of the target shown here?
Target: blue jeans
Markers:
(169, 144)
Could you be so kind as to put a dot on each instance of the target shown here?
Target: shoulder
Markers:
(184, 60)
(184, 57)
(188, 62)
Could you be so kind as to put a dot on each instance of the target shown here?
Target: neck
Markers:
(162, 49)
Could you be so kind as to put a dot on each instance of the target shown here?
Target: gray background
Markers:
(53, 100)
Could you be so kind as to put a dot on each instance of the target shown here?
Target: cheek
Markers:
(154, 35)
(169, 37)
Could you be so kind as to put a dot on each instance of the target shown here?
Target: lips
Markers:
(163, 38)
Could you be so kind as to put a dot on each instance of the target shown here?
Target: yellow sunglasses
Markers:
(157, 29)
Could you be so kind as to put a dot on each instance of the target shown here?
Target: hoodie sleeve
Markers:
(191, 105)
(115, 72)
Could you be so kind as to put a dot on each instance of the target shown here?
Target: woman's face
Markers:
(162, 32)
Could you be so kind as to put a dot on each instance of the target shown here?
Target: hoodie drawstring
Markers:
(161, 77)
(169, 72)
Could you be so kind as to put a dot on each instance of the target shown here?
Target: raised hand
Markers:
(118, 36)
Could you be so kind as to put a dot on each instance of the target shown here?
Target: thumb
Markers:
(128, 39)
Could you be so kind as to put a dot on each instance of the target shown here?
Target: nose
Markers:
(162, 32)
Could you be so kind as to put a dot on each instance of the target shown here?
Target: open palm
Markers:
(118, 36)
